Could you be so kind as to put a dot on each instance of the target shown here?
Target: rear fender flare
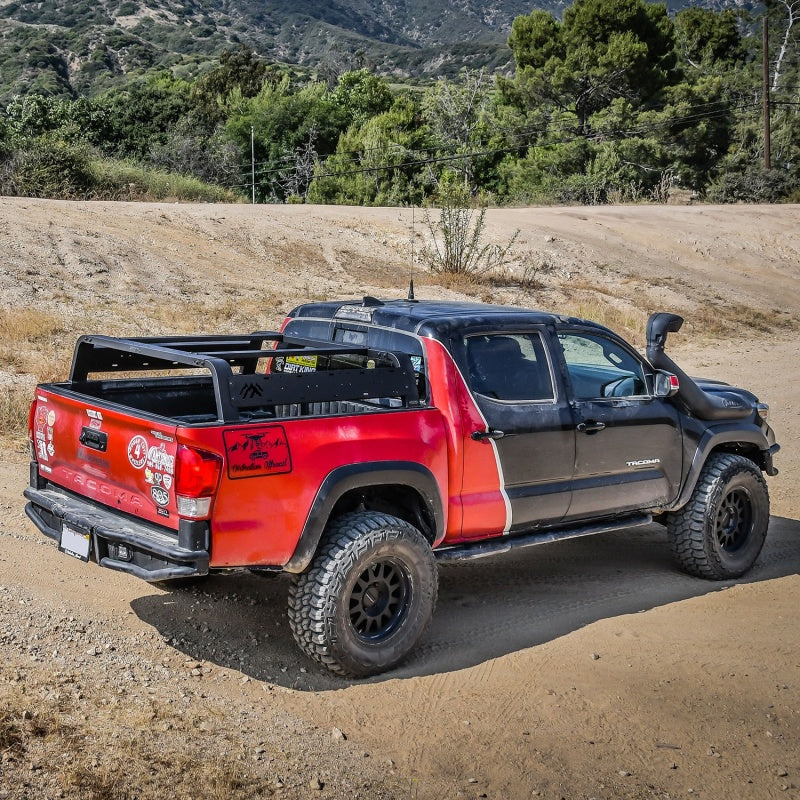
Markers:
(356, 476)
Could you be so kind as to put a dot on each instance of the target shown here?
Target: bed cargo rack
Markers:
(339, 373)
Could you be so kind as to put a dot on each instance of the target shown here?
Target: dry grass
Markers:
(27, 335)
(622, 305)
(15, 401)
(32, 349)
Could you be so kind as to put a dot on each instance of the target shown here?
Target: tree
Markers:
(704, 37)
(536, 39)
(377, 162)
(296, 179)
(282, 120)
(144, 113)
(791, 13)
(456, 113)
(362, 95)
(240, 70)
(602, 50)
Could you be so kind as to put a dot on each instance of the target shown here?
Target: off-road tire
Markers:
(721, 530)
(367, 597)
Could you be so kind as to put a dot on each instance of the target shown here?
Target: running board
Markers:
(469, 551)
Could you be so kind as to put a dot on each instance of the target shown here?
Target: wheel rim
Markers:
(379, 601)
(734, 520)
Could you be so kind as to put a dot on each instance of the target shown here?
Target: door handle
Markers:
(482, 436)
(591, 427)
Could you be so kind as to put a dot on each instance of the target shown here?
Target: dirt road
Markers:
(589, 668)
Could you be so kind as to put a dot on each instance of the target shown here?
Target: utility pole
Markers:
(766, 109)
(253, 161)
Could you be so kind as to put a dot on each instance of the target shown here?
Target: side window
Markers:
(600, 367)
(510, 366)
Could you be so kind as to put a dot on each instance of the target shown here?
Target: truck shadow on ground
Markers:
(487, 608)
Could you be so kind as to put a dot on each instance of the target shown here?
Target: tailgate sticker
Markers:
(137, 452)
(257, 451)
(45, 421)
(159, 495)
(154, 458)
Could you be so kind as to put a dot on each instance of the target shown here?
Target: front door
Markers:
(628, 444)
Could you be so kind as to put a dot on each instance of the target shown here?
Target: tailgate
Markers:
(121, 460)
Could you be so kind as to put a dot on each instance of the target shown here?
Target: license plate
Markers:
(74, 543)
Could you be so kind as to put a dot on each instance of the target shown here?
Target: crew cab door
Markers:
(628, 451)
(528, 421)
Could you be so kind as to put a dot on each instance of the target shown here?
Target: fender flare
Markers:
(356, 476)
(712, 440)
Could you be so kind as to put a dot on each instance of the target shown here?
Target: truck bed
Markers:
(191, 401)
(263, 375)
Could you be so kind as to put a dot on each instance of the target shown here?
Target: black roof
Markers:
(428, 317)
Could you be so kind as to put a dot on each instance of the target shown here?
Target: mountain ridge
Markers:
(73, 47)
(77, 46)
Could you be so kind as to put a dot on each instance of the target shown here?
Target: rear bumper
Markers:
(119, 542)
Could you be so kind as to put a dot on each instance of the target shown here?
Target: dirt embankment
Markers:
(590, 668)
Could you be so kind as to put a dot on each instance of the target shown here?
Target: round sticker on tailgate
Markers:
(137, 451)
(161, 496)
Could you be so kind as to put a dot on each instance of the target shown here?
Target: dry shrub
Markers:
(626, 321)
(15, 401)
(720, 319)
(27, 324)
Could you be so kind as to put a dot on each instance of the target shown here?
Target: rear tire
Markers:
(367, 597)
(721, 530)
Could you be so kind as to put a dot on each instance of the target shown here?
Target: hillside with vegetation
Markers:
(608, 102)
(77, 46)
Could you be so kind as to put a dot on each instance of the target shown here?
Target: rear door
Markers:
(529, 421)
(628, 452)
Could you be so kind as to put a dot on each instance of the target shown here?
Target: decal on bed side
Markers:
(255, 451)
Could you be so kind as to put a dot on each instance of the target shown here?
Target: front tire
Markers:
(721, 530)
(367, 597)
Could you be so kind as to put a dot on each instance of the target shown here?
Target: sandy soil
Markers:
(591, 668)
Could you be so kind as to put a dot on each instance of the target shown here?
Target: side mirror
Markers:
(665, 384)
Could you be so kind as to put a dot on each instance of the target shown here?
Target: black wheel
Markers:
(367, 597)
(721, 530)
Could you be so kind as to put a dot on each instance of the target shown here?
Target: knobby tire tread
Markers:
(310, 601)
(687, 528)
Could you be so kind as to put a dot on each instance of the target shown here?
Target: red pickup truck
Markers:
(368, 439)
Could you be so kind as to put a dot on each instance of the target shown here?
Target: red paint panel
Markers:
(259, 521)
(474, 485)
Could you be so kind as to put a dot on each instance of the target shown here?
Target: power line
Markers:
(525, 136)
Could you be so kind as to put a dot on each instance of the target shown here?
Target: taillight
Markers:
(196, 477)
(31, 432)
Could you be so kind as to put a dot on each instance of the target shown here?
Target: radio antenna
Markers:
(411, 270)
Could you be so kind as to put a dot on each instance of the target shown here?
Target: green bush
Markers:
(754, 185)
(119, 180)
(47, 167)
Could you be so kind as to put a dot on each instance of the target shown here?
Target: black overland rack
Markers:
(342, 372)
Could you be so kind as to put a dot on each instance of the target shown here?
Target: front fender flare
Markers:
(355, 476)
(717, 438)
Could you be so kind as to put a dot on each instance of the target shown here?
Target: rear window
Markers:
(359, 336)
